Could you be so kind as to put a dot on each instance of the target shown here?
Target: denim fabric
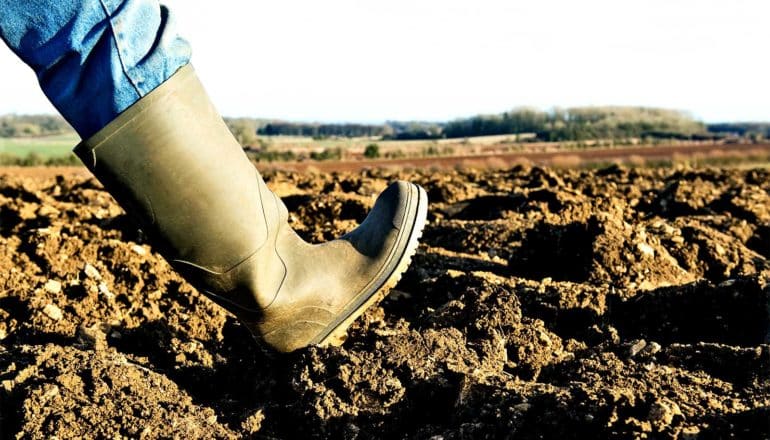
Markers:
(94, 58)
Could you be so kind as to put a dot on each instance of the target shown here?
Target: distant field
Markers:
(282, 143)
(46, 147)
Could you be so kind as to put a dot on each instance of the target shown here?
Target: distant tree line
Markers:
(576, 124)
(389, 130)
(321, 130)
(32, 125)
(757, 130)
(572, 124)
(413, 130)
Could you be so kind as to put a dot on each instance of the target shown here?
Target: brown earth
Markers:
(573, 304)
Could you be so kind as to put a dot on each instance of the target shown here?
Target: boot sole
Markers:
(337, 335)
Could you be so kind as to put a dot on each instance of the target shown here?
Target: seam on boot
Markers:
(279, 228)
(292, 324)
(232, 305)
(300, 311)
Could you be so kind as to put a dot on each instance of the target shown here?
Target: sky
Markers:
(436, 60)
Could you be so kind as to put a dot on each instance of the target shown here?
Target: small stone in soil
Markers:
(52, 286)
(53, 311)
(636, 347)
(92, 272)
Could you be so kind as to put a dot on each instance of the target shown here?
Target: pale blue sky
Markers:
(369, 61)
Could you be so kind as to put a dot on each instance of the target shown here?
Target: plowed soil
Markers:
(542, 304)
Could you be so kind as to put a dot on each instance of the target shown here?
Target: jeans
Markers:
(94, 58)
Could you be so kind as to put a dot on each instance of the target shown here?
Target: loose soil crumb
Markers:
(616, 303)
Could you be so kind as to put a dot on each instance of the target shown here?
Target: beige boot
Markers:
(171, 162)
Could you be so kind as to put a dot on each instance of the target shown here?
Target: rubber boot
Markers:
(172, 164)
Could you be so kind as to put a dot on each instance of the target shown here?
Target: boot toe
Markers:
(388, 237)
(394, 211)
(329, 285)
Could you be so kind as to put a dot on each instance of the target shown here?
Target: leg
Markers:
(94, 58)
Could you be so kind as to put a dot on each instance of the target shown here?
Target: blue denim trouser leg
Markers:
(94, 58)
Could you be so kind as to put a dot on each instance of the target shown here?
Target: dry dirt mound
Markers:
(596, 304)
